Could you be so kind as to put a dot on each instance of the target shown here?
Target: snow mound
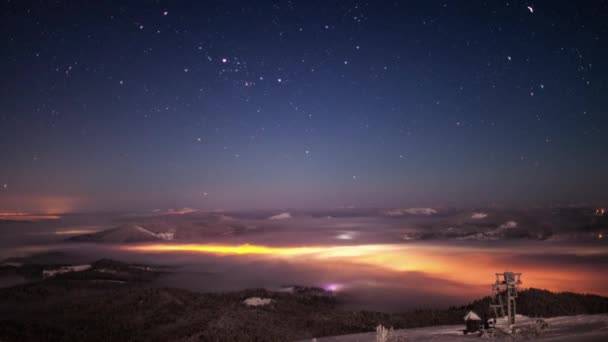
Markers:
(471, 316)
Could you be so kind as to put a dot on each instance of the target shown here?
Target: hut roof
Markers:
(471, 316)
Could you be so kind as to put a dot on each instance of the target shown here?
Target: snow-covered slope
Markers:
(584, 328)
(125, 233)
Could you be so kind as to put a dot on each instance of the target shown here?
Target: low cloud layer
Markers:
(410, 211)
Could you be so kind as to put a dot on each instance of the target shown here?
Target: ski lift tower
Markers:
(504, 293)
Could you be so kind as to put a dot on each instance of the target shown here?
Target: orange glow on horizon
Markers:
(464, 265)
(74, 231)
(40, 204)
(247, 249)
(27, 217)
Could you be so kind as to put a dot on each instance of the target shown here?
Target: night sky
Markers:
(109, 105)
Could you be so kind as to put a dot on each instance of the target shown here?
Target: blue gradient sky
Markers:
(143, 105)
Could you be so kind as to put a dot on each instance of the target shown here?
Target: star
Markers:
(5, 186)
(531, 9)
(165, 13)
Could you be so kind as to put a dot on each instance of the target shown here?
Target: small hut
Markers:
(472, 322)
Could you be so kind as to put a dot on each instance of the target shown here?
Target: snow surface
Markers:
(163, 236)
(584, 328)
(257, 301)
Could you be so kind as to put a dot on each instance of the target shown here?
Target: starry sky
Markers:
(111, 105)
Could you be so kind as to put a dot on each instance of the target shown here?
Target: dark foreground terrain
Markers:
(113, 301)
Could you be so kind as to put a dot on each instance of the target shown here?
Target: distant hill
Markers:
(542, 303)
(128, 233)
(170, 227)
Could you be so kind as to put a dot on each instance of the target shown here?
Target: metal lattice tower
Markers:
(504, 293)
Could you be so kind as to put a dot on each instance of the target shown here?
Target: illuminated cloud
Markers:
(179, 211)
(226, 218)
(444, 262)
(479, 216)
(345, 236)
(333, 287)
(282, 216)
